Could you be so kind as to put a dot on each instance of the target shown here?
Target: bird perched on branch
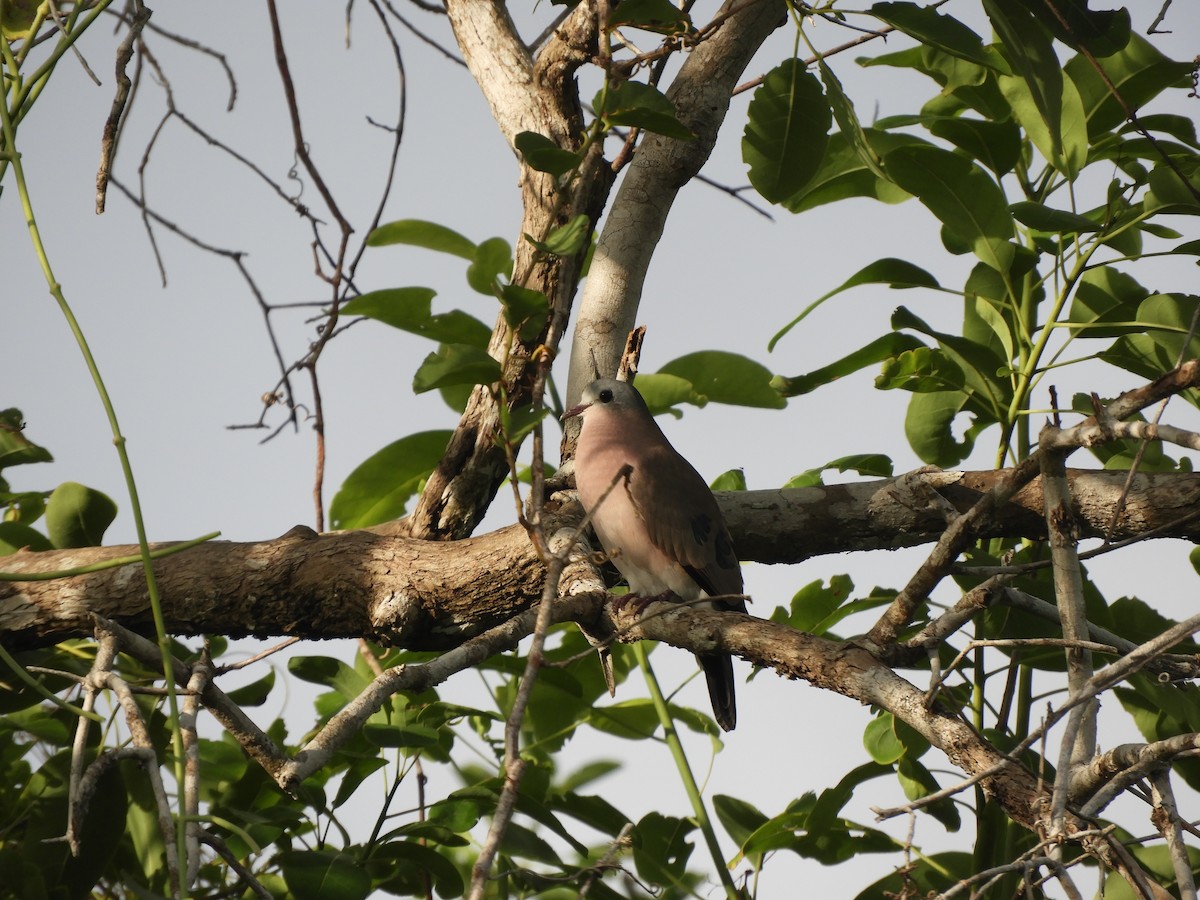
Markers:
(660, 524)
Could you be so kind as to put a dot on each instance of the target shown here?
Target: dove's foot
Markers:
(639, 602)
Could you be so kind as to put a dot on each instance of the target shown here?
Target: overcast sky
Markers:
(185, 362)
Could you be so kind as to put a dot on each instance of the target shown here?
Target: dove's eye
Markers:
(606, 396)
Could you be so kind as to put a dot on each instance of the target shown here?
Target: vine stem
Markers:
(671, 735)
(9, 131)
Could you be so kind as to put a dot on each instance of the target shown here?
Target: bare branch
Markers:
(1079, 737)
(1109, 774)
(1166, 817)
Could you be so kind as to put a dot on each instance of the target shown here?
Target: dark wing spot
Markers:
(726, 558)
(702, 526)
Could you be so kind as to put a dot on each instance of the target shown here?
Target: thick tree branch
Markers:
(845, 668)
(434, 595)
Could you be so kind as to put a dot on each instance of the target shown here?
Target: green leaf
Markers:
(407, 736)
(880, 740)
(930, 27)
(328, 672)
(1046, 104)
(1137, 73)
(988, 320)
(356, 773)
(322, 874)
(733, 480)
(629, 719)
(456, 396)
(897, 274)
(255, 693)
(727, 378)
(951, 72)
(379, 487)
(17, 18)
(455, 364)
(843, 174)
(588, 773)
(35, 722)
(1044, 218)
(493, 258)
(814, 603)
(25, 507)
(872, 465)
(995, 144)
(1179, 127)
(410, 309)
(739, 818)
(517, 423)
(921, 370)
(565, 240)
(1170, 194)
(1101, 31)
(1139, 622)
(458, 813)
(660, 16)
(525, 310)
(928, 428)
(541, 153)
(526, 843)
(887, 347)
(639, 105)
(78, 516)
(779, 832)
(406, 864)
(847, 119)
(15, 448)
(1060, 136)
(661, 849)
(15, 536)
(1166, 319)
(1162, 712)
(927, 876)
(419, 233)
(828, 836)
(593, 811)
(984, 97)
(1106, 304)
(662, 392)
(979, 362)
(963, 197)
(786, 131)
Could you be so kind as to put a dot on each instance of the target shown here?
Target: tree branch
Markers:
(541, 97)
(434, 595)
(701, 93)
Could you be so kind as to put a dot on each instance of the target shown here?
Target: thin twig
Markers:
(112, 125)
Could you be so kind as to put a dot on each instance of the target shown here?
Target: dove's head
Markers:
(610, 395)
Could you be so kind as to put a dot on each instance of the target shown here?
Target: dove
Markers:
(660, 525)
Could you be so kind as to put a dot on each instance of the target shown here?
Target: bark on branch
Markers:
(434, 595)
